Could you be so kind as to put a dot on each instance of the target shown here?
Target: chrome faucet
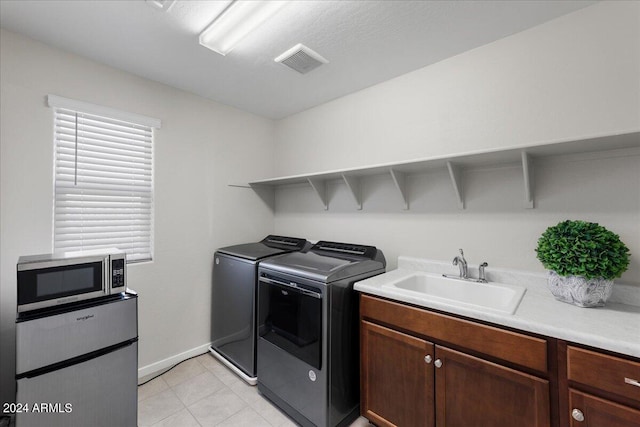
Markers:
(462, 264)
(464, 270)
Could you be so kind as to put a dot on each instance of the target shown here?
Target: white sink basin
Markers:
(484, 296)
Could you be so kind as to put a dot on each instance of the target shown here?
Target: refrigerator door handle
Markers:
(75, 361)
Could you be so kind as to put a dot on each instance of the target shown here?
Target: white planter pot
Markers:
(579, 291)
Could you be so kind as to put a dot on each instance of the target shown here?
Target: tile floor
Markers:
(203, 392)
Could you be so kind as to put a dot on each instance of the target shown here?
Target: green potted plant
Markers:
(583, 258)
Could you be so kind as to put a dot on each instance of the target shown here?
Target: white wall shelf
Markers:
(454, 164)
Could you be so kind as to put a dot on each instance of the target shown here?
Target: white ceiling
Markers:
(366, 42)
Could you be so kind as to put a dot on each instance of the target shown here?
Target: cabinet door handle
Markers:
(577, 415)
(428, 358)
(632, 382)
(438, 363)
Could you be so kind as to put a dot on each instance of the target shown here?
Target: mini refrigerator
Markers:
(76, 366)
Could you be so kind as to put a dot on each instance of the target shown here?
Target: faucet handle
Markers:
(481, 277)
(461, 252)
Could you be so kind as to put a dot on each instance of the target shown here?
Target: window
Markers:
(103, 168)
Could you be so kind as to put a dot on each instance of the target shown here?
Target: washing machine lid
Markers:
(269, 246)
(329, 261)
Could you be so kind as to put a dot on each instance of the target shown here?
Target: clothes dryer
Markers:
(308, 341)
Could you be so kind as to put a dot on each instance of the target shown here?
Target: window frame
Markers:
(61, 106)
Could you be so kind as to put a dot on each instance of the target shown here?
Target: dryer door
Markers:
(291, 317)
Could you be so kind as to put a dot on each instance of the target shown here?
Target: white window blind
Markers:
(103, 183)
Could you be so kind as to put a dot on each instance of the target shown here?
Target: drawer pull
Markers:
(577, 415)
(632, 382)
(438, 363)
(428, 359)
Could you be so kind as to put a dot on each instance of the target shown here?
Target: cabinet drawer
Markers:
(608, 373)
(595, 412)
(510, 346)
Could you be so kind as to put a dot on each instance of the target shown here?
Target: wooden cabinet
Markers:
(412, 377)
(471, 391)
(397, 381)
(423, 368)
(603, 390)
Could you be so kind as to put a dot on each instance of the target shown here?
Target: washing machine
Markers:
(234, 285)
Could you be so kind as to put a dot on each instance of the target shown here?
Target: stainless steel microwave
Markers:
(60, 278)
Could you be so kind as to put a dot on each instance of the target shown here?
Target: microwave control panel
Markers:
(117, 273)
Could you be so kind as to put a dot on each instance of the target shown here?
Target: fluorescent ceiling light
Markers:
(238, 20)
(163, 5)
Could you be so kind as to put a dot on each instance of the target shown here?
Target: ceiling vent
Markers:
(301, 59)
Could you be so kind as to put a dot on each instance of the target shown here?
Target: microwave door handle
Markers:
(106, 285)
(292, 286)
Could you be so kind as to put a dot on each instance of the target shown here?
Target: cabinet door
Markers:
(474, 392)
(397, 380)
(590, 411)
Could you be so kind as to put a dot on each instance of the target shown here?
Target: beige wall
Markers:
(201, 147)
(572, 77)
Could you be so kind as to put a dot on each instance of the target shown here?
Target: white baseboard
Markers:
(164, 364)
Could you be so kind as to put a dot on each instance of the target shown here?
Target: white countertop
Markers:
(614, 327)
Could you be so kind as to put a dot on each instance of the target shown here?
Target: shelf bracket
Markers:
(527, 171)
(320, 187)
(266, 193)
(455, 172)
(399, 179)
(353, 184)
